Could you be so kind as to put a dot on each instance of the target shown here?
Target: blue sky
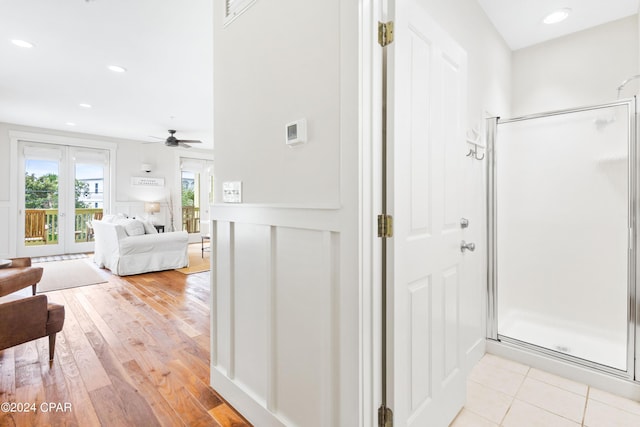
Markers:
(43, 167)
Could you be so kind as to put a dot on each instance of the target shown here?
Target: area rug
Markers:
(197, 264)
(58, 258)
(68, 274)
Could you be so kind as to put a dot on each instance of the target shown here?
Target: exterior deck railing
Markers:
(191, 219)
(82, 231)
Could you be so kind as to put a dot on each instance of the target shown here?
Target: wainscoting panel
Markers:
(303, 341)
(252, 279)
(223, 284)
(275, 329)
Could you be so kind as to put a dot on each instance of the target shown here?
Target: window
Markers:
(234, 8)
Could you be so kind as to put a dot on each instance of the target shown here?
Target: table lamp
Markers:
(151, 208)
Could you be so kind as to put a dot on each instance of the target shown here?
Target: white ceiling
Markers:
(166, 46)
(520, 21)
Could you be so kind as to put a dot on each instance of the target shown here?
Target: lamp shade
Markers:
(151, 207)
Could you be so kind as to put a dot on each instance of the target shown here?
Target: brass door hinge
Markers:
(385, 226)
(385, 33)
(385, 417)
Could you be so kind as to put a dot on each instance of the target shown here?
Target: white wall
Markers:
(126, 198)
(281, 70)
(584, 68)
(285, 342)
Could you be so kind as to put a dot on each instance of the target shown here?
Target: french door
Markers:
(61, 189)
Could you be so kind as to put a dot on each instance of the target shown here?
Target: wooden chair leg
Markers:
(33, 288)
(52, 346)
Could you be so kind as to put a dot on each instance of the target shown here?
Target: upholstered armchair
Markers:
(18, 276)
(30, 318)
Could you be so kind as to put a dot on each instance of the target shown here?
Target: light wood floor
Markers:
(133, 352)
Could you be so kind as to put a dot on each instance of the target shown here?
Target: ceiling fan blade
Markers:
(157, 137)
(183, 145)
(190, 141)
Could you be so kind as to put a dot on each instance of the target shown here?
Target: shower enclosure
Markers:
(562, 198)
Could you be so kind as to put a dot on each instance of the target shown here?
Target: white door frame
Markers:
(17, 136)
(370, 284)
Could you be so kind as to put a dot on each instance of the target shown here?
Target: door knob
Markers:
(464, 246)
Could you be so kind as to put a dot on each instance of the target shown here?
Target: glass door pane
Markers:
(89, 171)
(191, 201)
(562, 192)
(41, 182)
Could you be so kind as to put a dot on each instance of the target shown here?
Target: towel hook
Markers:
(473, 153)
(473, 138)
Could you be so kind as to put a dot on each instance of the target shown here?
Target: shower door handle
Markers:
(464, 246)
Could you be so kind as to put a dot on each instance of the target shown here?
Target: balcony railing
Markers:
(43, 229)
(191, 219)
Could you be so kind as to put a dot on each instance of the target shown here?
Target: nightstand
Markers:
(160, 228)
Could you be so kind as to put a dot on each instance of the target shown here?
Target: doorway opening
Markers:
(196, 194)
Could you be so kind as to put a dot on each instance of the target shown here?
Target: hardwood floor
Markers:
(133, 352)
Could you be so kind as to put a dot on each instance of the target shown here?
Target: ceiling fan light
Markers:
(557, 16)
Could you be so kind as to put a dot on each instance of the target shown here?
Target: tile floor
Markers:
(508, 394)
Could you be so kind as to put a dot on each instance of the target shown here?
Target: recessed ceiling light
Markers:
(117, 68)
(70, 124)
(557, 16)
(22, 43)
(83, 105)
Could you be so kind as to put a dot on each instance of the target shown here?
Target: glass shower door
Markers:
(562, 218)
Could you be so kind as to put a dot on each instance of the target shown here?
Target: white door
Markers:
(426, 107)
(61, 189)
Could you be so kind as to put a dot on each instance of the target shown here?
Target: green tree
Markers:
(188, 197)
(82, 190)
(41, 192)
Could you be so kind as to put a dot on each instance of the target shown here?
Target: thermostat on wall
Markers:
(296, 132)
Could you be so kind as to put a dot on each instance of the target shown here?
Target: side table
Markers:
(203, 247)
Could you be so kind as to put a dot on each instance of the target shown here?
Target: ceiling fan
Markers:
(172, 141)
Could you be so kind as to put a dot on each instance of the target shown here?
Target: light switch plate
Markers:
(232, 192)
